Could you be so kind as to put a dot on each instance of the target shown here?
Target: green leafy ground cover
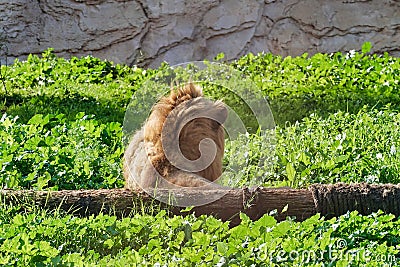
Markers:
(51, 239)
(337, 118)
(61, 128)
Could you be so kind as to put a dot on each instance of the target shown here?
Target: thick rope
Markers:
(337, 199)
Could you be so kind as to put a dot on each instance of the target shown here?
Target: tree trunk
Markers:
(329, 200)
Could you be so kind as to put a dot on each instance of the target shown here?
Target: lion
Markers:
(180, 145)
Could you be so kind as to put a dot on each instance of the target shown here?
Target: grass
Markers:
(337, 119)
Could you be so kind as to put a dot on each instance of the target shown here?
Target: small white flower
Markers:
(221, 261)
(393, 150)
(379, 156)
(350, 54)
(371, 179)
(3, 118)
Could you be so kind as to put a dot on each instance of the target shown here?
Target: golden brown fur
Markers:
(148, 157)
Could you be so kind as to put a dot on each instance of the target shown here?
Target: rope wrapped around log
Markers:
(328, 200)
(336, 199)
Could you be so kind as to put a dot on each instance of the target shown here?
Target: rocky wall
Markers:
(147, 32)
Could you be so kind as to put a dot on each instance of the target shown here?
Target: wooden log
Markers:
(121, 202)
(257, 202)
(329, 200)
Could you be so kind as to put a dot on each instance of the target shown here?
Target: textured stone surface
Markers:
(147, 32)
